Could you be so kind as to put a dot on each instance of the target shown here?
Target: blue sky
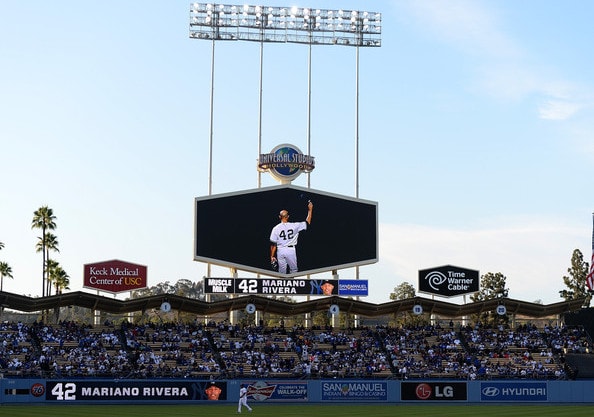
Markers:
(476, 134)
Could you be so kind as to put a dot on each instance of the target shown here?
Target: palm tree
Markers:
(50, 266)
(58, 277)
(51, 243)
(43, 219)
(60, 280)
(1, 245)
(5, 271)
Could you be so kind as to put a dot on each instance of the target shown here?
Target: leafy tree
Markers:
(189, 288)
(492, 286)
(44, 219)
(161, 288)
(403, 291)
(576, 281)
(5, 271)
(183, 287)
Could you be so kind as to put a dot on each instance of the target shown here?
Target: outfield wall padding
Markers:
(189, 391)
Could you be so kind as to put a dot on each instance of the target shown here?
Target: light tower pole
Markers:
(302, 25)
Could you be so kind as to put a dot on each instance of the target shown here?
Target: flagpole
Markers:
(590, 277)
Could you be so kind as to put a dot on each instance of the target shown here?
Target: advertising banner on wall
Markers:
(514, 391)
(277, 391)
(433, 391)
(354, 391)
(82, 390)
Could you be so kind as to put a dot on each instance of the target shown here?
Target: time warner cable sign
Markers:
(448, 281)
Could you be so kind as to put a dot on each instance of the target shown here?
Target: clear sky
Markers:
(476, 134)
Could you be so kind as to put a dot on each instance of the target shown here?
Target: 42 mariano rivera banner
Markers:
(291, 286)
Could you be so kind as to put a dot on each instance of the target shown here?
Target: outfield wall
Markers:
(136, 391)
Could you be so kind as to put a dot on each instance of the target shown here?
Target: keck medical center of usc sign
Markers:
(115, 276)
(234, 229)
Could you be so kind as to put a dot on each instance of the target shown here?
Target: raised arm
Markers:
(309, 212)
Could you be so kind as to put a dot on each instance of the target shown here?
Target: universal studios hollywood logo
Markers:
(448, 281)
(285, 162)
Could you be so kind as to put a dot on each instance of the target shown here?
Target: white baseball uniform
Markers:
(285, 235)
(243, 399)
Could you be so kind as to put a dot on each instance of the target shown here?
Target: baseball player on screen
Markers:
(283, 240)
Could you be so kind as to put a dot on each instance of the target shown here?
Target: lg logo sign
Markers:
(429, 391)
(448, 392)
(424, 391)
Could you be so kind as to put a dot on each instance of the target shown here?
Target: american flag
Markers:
(590, 277)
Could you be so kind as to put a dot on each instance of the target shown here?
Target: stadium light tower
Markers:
(265, 24)
(303, 25)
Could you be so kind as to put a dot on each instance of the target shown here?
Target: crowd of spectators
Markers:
(224, 350)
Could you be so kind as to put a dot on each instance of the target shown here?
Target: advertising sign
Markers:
(353, 287)
(433, 391)
(285, 162)
(238, 230)
(514, 391)
(273, 286)
(448, 281)
(277, 391)
(354, 391)
(81, 390)
(114, 276)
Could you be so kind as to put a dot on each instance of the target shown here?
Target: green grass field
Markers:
(292, 410)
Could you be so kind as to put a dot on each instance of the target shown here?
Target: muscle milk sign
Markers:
(115, 276)
(448, 281)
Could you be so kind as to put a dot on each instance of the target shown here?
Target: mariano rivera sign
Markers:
(448, 281)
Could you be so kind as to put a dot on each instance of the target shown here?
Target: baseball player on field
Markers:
(243, 394)
(283, 240)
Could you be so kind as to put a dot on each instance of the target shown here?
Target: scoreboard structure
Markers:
(233, 230)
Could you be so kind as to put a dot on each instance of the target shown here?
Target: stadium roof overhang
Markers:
(286, 308)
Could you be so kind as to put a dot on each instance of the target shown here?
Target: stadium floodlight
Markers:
(285, 25)
(303, 25)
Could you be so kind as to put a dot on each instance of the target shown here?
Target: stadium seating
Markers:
(222, 350)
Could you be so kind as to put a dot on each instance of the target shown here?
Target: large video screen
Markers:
(235, 230)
